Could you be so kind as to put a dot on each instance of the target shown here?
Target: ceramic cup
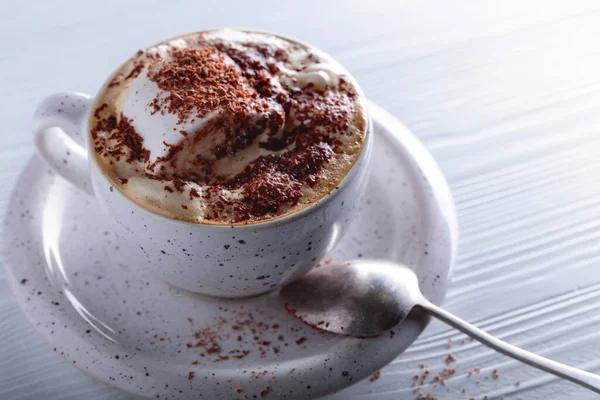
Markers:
(217, 260)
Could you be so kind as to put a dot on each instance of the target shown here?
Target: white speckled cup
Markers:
(217, 260)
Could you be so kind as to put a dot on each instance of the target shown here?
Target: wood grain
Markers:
(504, 94)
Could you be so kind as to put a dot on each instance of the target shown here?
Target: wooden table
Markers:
(505, 94)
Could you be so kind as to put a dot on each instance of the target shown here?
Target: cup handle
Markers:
(59, 123)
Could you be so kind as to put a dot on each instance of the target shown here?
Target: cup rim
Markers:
(277, 221)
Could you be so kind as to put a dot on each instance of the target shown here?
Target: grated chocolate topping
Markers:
(232, 83)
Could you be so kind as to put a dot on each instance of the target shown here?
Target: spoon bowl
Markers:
(360, 299)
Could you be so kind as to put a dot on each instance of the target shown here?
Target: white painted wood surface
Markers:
(505, 94)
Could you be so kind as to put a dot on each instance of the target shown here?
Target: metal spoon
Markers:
(366, 298)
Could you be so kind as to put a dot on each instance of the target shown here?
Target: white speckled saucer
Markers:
(94, 301)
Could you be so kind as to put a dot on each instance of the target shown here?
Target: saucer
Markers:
(94, 301)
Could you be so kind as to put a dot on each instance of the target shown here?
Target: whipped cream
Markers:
(228, 126)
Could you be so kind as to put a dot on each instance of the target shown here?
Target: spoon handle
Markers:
(581, 377)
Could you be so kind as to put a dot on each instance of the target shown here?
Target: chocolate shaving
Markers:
(234, 83)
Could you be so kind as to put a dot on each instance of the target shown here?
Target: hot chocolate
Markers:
(228, 126)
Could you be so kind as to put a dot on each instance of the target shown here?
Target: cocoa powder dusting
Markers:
(265, 392)
(223, 339)
(127, 141)
(376, 375)
(199, 80)
(248, 108)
